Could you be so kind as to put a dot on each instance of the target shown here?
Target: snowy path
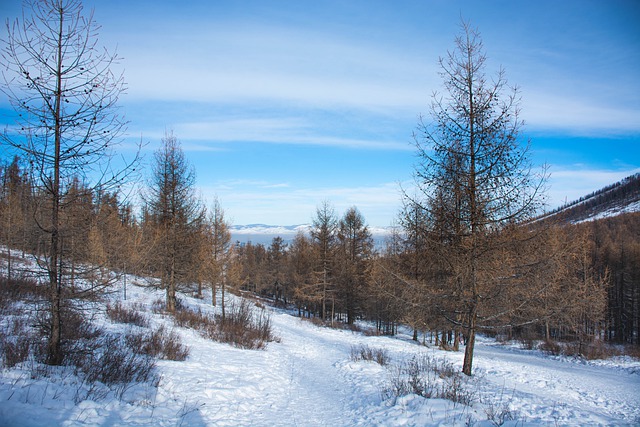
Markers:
(317, 393)
(565, 390)
(306, 379)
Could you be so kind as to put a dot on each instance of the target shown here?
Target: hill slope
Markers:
(612, 200)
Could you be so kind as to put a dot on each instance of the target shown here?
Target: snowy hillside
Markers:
(310, 377)
(615, 199)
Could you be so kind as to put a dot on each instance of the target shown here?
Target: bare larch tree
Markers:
(61, 84)
(474, 178)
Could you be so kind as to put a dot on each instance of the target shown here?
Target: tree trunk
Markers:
(55, 288)
(171, 289)
(471, 341)
(222, 300)
(8, 261)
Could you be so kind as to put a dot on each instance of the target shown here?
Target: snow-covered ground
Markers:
(308, 378)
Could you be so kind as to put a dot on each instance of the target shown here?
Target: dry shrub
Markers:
(194, 319)
(243, 325)
(79, 336)
(430, 378)
(161, 343)
(158, 306)
(528, 343)
(121, 314)
(551, 347)
(591, 350)
(118, 364)
(14, 349)
(588, 350)
(19, 289)
(364, 352)
(317, 321)
(632, 351)
(499, 411)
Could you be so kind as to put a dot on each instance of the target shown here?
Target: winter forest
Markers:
(472, 257)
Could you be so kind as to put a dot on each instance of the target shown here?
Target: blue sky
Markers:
(280, 105)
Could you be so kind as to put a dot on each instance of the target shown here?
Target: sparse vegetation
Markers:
(113, 359)
(118, 364)
(588, 350)
(244, 325)
(499, 411)
(161, 343)
(364, 352)
(131, 315)
(430, 378)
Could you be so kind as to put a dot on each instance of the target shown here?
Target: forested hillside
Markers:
(612, 200)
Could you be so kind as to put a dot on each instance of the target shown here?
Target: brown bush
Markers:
(194, 319)
(160, 343)
(364, 352)
(551, 347)
(121, 314)
(14, 350)
(243, 325)
(19, 289)
(117, 364)
(632, 351)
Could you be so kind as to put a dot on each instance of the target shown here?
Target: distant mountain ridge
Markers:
(615, 199)
(264, 234)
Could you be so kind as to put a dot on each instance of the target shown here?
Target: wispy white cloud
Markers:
(285, 130)
(571, 115)
(267, 63)
(307, 68)
(245, 201)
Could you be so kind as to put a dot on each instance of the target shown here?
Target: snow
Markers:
(613, 211)
(264, 234)
(308, 378)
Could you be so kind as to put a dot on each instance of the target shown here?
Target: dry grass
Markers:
(244, 325)
(129, 315)
(364, 352)
(160, 343)
(430, 378)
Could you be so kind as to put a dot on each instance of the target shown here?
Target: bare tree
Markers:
(62, 86)
(324, 234)
(355, 247)
(277, 269)
(474, 178)
(301, 264)
(220, 239)
(176, 215)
